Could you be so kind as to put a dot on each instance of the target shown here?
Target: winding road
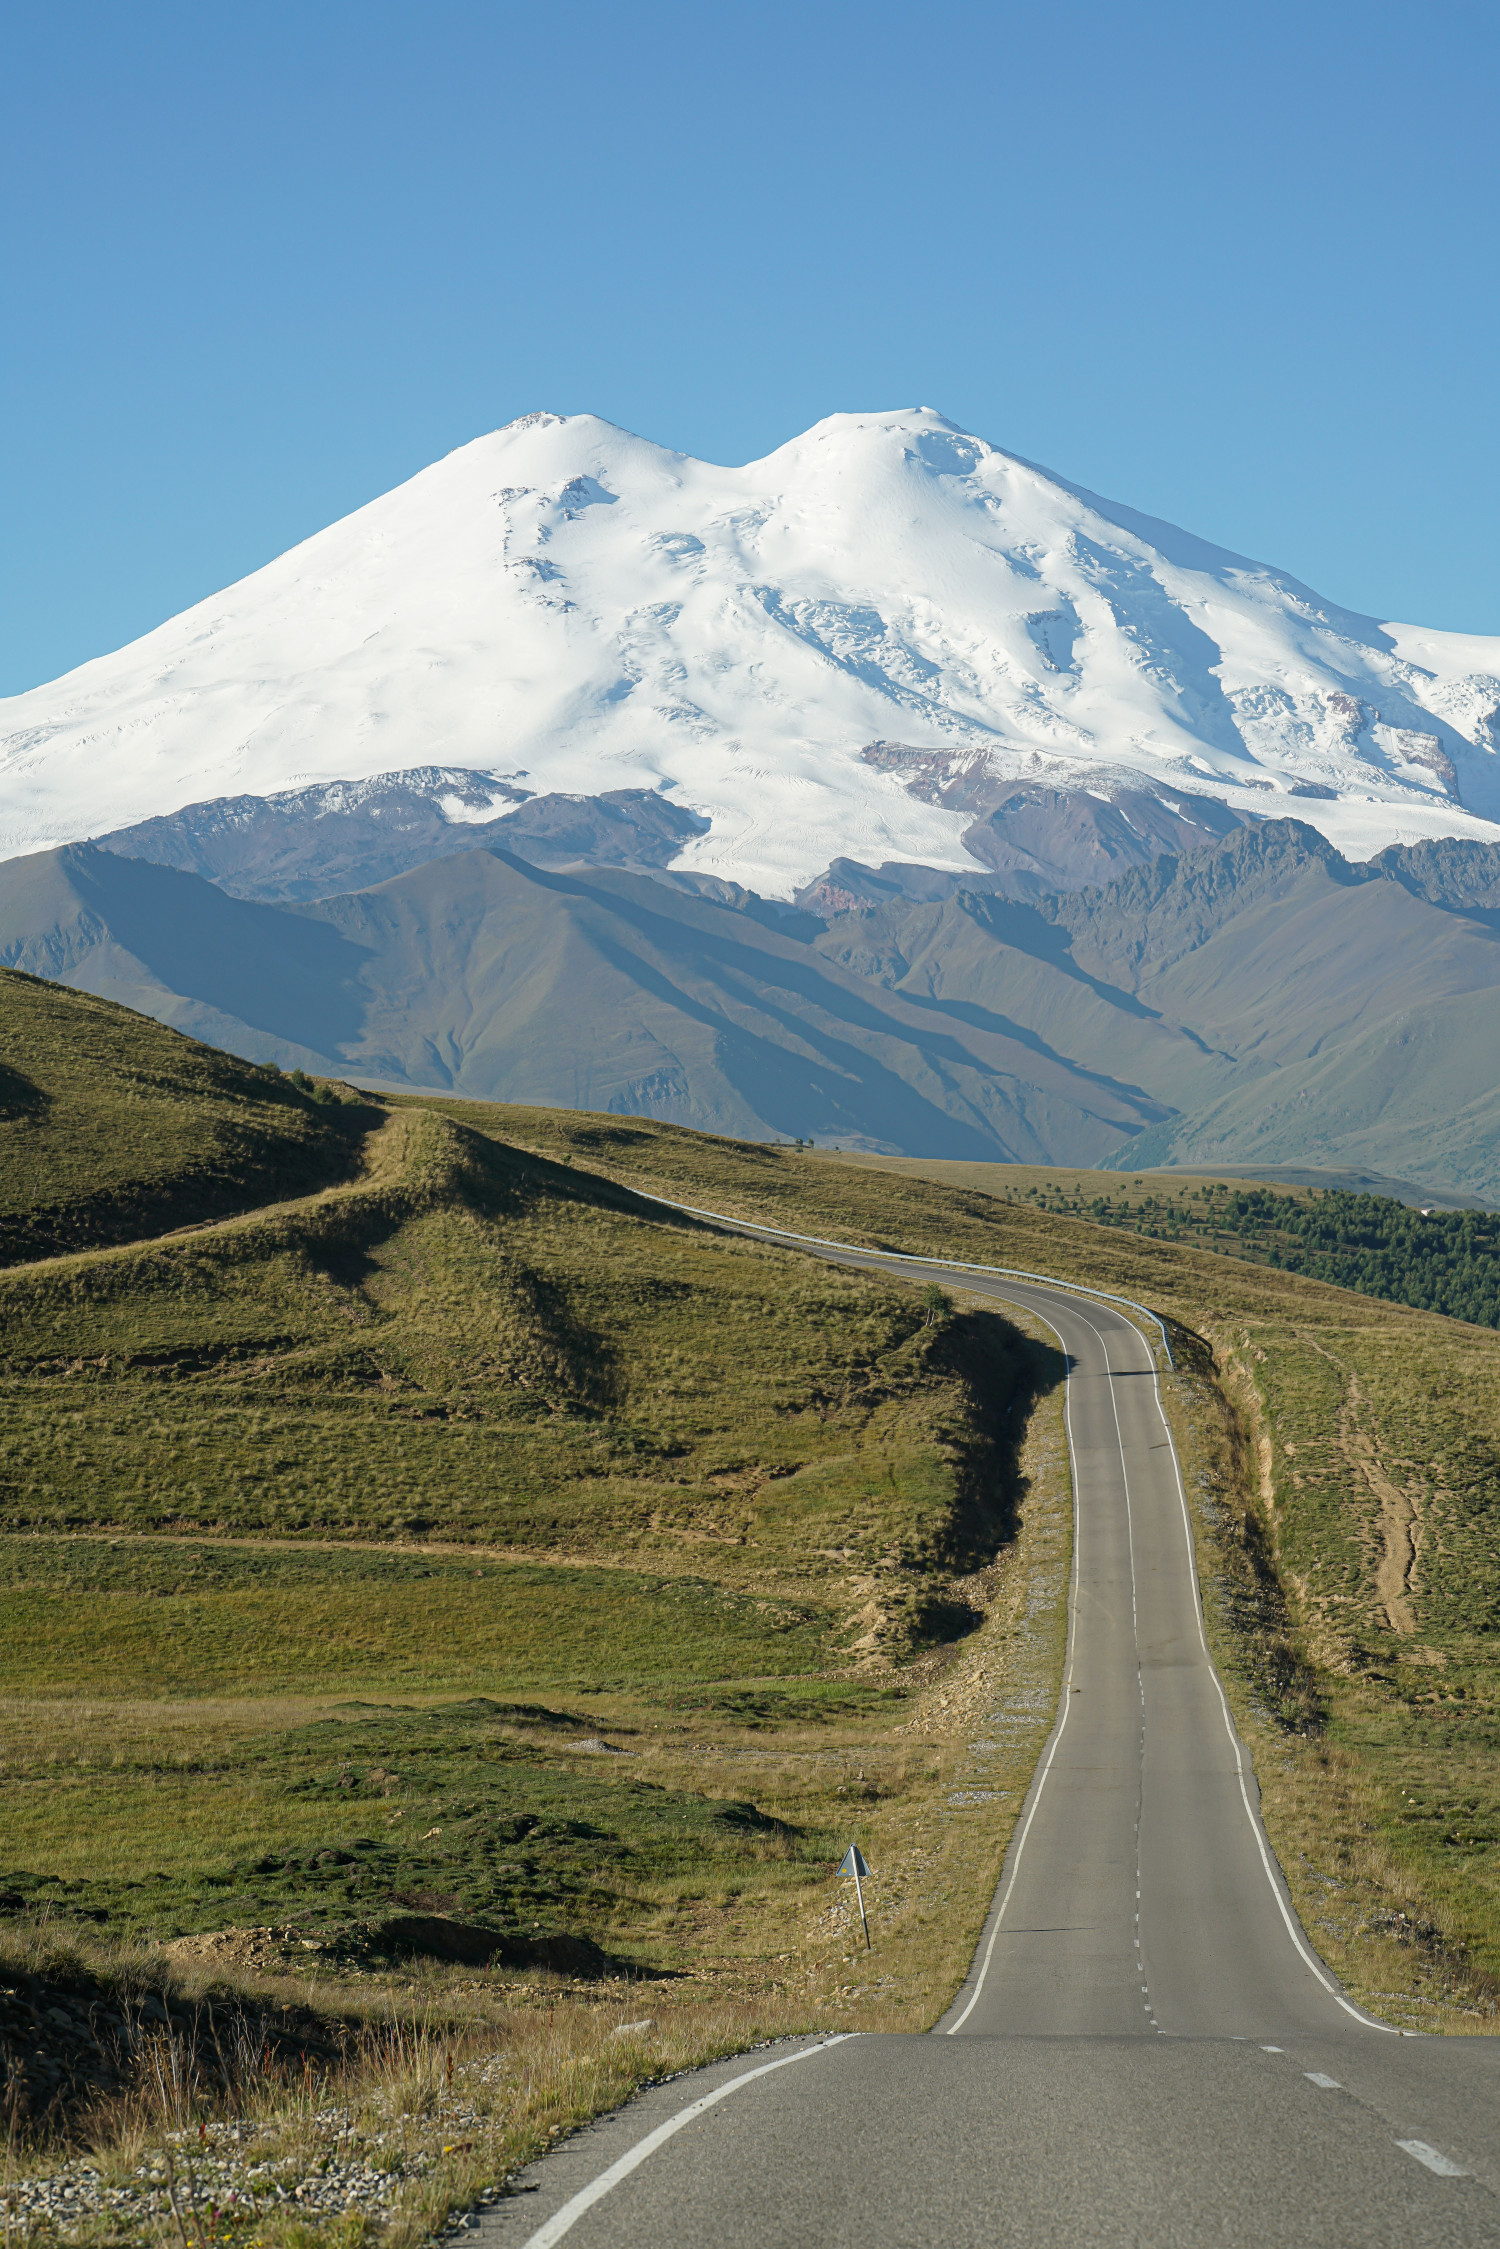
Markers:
(1147, 2049)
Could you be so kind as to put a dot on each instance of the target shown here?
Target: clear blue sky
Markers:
(1234, 264)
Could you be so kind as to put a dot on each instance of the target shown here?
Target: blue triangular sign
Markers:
(854, 1861)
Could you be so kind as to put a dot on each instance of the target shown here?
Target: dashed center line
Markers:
(1422, 2150)
(1434, 2159)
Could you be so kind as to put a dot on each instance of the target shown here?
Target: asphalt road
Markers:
(1147, 2049)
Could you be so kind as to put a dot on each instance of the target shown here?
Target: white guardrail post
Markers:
(912, 1257)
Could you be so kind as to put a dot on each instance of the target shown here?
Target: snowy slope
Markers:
(566, 607)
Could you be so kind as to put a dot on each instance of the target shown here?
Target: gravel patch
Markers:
(328, 2165)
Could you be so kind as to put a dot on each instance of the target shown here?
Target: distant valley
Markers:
(1259, 1001)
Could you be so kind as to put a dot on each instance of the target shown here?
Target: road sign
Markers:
(854, 1863)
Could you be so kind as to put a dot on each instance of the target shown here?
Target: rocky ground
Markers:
(222, 2175)
(226, 2114)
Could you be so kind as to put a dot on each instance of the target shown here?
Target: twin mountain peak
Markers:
(888, 790)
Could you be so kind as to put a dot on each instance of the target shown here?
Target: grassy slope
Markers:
(482, 1345)
(112, 1126)
(286, 1496)
(1345, 1454)
(704, 1856)
(283, 1496)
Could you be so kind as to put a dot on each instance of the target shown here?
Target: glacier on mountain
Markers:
(830, 653)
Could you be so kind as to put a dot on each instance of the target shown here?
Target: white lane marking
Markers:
(1317, 2077)
(1256, 1829)
(1273, 2049)
(1067, 1690)
(914, 1257)
(1135, 1629)
(1434, 2159)
(1065, 1698)
(564, 2219)
(889, 1257)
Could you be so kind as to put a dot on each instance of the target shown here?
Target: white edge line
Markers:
(1065, 1697)
(1256, 1828)
(1050, 1280)
(913, 1257)
(564, 2219)
(1013, 1272)
(1267, 1863)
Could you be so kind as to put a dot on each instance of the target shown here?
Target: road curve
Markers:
(1145, 1895)
(1147, 2049)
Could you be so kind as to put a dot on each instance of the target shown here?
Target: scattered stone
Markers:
(265, 1948)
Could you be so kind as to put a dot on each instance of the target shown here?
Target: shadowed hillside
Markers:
(599, 989)
(631, 1497)
(1257, 1000)
(112, 1127)
(470, 1342)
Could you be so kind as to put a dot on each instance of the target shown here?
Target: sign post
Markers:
(854, 1863)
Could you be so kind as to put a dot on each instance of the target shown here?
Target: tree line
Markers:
(1441, 1261)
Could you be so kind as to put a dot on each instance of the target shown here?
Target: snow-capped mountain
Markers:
(840, 651)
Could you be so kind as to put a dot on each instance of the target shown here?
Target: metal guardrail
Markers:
(913, 1257)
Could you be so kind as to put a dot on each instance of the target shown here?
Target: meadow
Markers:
(232, 1770)
(463, 1544)
(1343, 1454)
(480, 1345)
(466, 1538)
(113, 1126)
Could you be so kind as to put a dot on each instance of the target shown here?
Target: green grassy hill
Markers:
(470, 1421)
(452, 1525)
(474, 1343)
(112, 1126)
(1343, 1454)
